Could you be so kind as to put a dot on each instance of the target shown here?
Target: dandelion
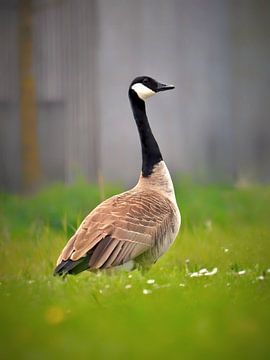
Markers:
(150, 281)
(147, 292)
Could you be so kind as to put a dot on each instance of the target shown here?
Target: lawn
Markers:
(170, 312)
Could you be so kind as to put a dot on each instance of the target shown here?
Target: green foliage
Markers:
(121, 315)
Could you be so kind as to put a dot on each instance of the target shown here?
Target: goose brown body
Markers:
(138, 225)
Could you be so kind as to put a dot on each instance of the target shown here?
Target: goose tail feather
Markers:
(72, 267)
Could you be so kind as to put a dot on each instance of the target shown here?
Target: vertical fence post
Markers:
(28, 105)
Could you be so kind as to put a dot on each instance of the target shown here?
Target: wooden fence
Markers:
(214, 126)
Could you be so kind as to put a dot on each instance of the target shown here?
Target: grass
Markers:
(121, 315)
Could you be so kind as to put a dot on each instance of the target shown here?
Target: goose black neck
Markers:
(151, 154)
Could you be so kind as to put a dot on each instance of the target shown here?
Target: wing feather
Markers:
(119, 229)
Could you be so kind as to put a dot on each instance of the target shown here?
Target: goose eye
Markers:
(145, 80)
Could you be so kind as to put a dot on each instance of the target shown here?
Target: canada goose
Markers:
(137, 226)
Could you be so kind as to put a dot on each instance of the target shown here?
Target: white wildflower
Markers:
(226, 250)
(260, 277)
(130, 276)
(150, 281)
(182, 285)
(203, 271)
(147, 292)
(211, 273)
(128, 286)
(195, 274)
(268, 270)
(241, 272)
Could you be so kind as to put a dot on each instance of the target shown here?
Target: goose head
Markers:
(145, 86)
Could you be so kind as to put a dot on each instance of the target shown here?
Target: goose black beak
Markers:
(164, 87)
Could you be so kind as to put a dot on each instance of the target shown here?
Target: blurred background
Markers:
(65, 68)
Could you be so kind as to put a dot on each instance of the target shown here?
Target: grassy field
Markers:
(168, 313)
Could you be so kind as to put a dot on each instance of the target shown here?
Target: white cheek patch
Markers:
(142, 91)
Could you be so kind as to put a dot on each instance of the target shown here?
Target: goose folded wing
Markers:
(118, 230)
